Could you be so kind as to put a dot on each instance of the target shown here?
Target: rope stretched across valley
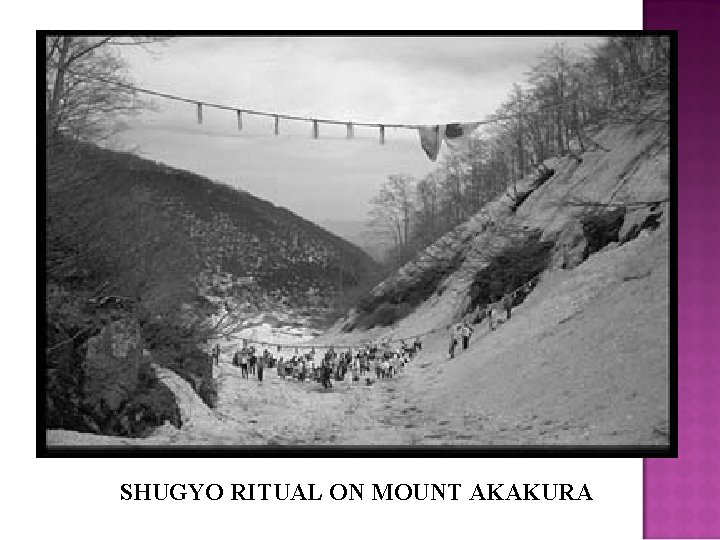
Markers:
(493, 119)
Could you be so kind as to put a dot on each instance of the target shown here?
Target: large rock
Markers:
(641, 218)
(570, 246)
(112, 364)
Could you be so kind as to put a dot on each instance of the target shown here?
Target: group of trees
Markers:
(87, 93)
(624, 78)
(111, 252)
(102, 237)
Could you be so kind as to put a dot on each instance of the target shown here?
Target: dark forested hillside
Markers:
(241, 240)
(139, 259)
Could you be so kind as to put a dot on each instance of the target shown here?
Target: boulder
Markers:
(570, 246)
(637, 219)
(112, 364)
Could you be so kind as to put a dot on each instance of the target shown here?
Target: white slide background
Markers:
(81, 499)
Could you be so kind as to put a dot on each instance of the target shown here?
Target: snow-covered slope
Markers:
(628, 164)
(585, 358)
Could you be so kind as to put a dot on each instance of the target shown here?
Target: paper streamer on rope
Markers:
(316, 129)
(430, 141)
(277, 125)
(350, 131)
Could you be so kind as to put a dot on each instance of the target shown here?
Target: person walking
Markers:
(395, 365)
(507, 304)
(253, 361)
(492, 317)
(311, 366)
(326, 370)
(244, 363)
(336, 366)
(466, 332)
(301, 369)
(260, 367)
(385, 367)
(355, 370)
(453, 343)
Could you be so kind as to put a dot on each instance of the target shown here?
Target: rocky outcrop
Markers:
(192, 409)
(639, 218)
(449, 265)
(607, 185)
(112, 364)
(570, 247)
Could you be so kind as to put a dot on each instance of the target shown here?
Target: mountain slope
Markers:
(244, 243)
(145, 263)
(585, 357)
(630, 164)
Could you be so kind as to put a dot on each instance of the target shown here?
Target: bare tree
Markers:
(566, 96)
(87, 92)
(392, 208)
(428, 212)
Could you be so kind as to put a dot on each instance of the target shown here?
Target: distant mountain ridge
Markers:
(357, 232)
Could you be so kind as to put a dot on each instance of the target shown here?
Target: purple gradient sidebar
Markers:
(682, 496)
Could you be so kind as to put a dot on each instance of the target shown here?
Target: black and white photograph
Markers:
(367, 241)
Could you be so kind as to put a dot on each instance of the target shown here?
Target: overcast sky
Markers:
(392, 80)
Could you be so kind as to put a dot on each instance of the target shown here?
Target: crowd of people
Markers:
(377, 360)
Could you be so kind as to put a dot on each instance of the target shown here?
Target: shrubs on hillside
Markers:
(511, 268)
(231, 229)
(390, 306)
(111, 254)
(601, 228)
(129, 238)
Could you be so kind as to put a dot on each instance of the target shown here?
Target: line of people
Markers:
(378, 358)
(462, 332)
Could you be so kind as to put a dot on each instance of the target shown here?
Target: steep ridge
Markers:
(585, 357)
(628, 165)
